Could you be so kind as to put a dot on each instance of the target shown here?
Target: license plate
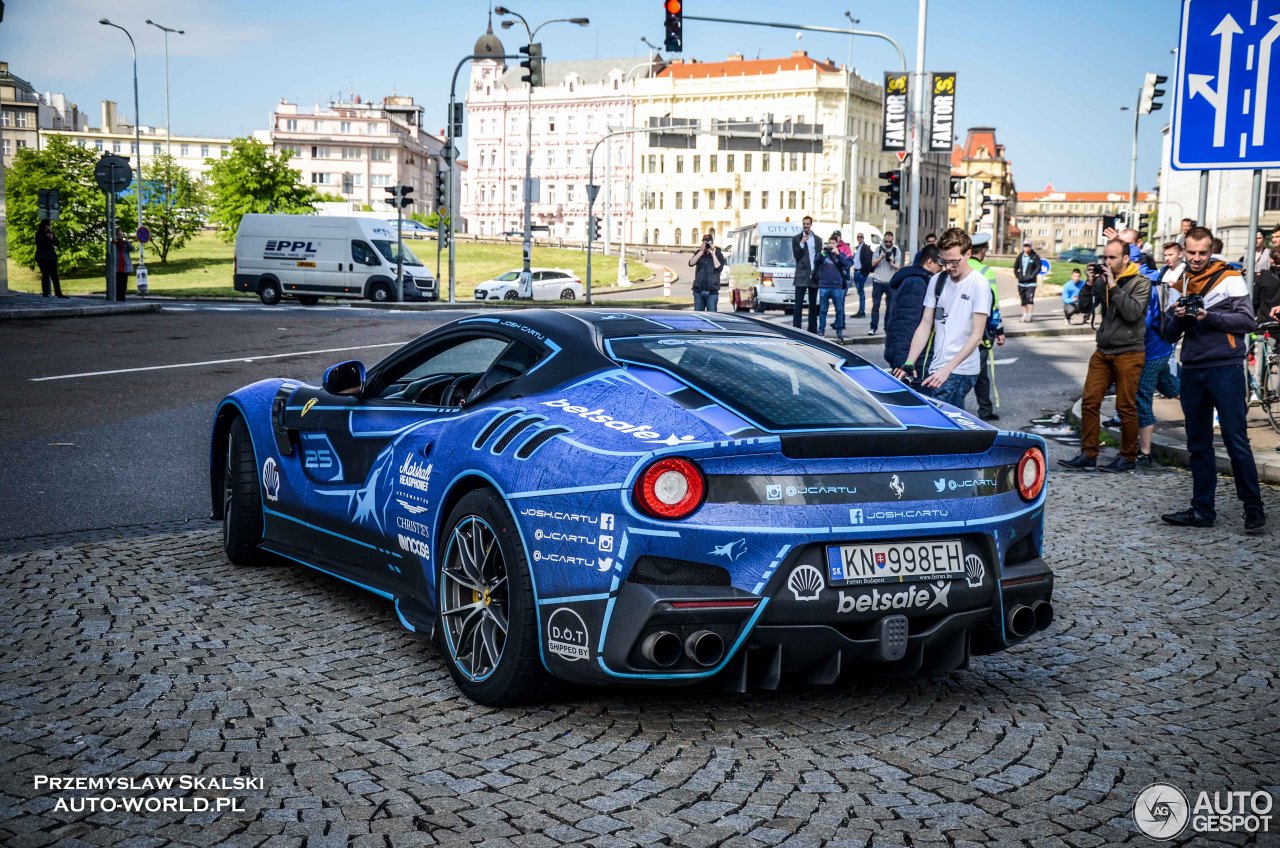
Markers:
(894, 561)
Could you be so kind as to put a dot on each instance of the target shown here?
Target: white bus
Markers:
(762, 267)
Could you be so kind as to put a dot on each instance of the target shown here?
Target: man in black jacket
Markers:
(806, 247)
(906, 296)
(1027, 269)
(861, 270)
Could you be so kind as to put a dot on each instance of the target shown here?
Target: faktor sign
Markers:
(942, 111)
(895, 112)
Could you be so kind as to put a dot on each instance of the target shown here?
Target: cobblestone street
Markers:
(145, 653)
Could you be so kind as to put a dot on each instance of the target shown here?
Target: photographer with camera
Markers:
(832, 278)
(706, 280)
(1212, 316)
(1122, 294)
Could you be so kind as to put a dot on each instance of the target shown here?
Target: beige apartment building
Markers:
(19, 114)
(357, 149)
(982, 158)
(701, 168)
(1054, 221)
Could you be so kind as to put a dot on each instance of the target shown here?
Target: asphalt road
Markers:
(106, 420)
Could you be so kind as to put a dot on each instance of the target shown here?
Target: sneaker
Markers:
(1255, 520)
(1144, 460)
(861, 315)
(1080, 462)
(871, 332)
(1117, 465)
(840, 340)
(1113, 421)
(1186, 518)
(989, 416)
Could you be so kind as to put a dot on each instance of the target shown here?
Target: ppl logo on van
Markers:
(289, 249)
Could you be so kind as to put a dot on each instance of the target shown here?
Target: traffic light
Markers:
(892, 187)
(957, 187)
(986, 198)
(443, 234)
(442, 188)
(675, 25)
(766, 131)
(399, 196)
(1150, 92)
(1143, 217)
(532, 65)
(455, 120)
(594, 223)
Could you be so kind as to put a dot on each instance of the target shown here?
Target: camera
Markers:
(1097, 269)
(1192, 303)
(706, 239)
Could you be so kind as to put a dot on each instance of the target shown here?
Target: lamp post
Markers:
(849, 191)
(141, 273)
(526, 282)
(168, 118)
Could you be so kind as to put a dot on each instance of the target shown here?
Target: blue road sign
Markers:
(1226, 107)
(1045, 267)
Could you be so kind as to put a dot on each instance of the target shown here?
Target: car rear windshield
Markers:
(778, 384)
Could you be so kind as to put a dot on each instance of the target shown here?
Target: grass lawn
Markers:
(1058, 274)
(204, 267)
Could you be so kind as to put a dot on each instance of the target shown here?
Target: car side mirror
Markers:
(345, 378)
(751, 254)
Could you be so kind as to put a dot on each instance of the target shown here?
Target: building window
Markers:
(379, 180)
(318, 178)
(115, 147)
(791, 200)
(380, 154)
(711, 198)
(804, 203)
(746, 200)
(22, 119)
(156, 150)
(344, 127)
(693, 200)
(6, 118)
(728, 198)
(697, 165)
(551, 158)
(6, 146)
(568, 121)
(98, 144)
(679, 199)
(679, 232)
(764, 200)
(568, 193)
(291, 124)
(764, 163)
(712, 164)
(224, 149)
(728, 166)
(351, 153)
(357, 180)
(551, 124)
(1271, 199)
(653, 164)
(746, 162)
(679, 164)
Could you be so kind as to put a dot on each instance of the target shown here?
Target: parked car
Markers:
(548, 284)
(1082, 255)
(413, 229)
(782, 511)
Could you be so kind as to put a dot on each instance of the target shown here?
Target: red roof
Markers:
(736, 66)
(1083, 196)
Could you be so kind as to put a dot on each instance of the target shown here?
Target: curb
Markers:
(1169, 451)
(78, 311)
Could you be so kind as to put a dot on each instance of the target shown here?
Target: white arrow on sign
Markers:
(1228, 29)
(1264, 73)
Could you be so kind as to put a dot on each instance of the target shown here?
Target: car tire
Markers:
(481, 521)
(241, 497)
(380, 293)
(568, 294)
(757, 305)
(269, 292)
(308, 299)
(511, 295)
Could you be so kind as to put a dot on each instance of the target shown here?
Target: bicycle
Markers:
(1263, 373)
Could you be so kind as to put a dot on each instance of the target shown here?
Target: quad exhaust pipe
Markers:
(1044, 614)
(705, 648)
(1021, 621)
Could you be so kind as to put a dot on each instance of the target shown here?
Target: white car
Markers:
(548, 284)
(413, 229)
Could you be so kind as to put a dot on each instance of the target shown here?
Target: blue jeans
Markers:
(706, 301)
(954, 390)
(1203, 391)
(860, 282)
(834, 296)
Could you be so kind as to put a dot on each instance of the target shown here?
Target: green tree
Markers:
(81, 228)
(253, 179)
(176, 202)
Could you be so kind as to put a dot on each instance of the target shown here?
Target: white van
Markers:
(314, 256)
(762, 267)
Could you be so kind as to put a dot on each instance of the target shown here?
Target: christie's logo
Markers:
(644, 432)
(414, 474)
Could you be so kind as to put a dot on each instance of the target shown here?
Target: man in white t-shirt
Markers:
(957, 318)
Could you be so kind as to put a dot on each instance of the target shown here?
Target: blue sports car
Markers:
(643, 497)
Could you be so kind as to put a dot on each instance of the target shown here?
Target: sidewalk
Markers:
(1169, 443)
(19, 305)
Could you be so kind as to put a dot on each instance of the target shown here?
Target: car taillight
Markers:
(670, 488)
(1030, 474)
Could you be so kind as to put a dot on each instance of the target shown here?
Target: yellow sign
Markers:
(302, 264)
(944, 83)
(898, 84)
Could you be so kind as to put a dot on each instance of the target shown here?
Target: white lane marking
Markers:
(210, 362)
(1007, 361)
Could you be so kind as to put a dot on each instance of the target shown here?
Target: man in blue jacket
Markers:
(831, 275)
(906, 297)
(1213, 378)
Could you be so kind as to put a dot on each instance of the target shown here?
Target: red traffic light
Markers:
(673, 7)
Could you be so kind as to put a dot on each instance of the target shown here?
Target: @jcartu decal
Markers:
(1161, 811)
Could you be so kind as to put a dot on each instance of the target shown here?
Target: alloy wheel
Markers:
(474, 598)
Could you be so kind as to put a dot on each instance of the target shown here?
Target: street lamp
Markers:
(141, 273)
(526, 281)
(848, 191)
(168, 118)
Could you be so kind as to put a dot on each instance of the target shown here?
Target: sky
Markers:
(1049, 76)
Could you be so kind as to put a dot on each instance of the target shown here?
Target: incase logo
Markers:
(414, 546)
(909, 598)
(567, 635)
